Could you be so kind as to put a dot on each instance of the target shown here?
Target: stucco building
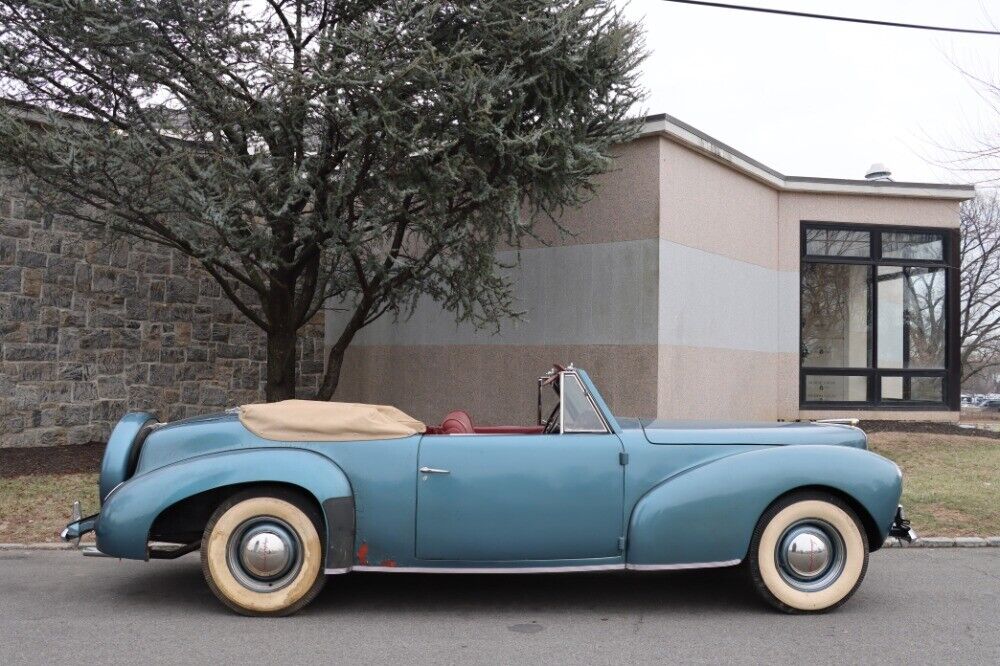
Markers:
(700, 283)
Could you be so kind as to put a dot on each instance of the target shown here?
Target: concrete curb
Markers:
(945, 542)
(891, 542)
(41, 546)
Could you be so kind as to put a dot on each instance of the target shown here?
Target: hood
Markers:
(753, 432)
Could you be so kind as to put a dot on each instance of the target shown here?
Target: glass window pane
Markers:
(906, 245)
(911, 317)
(926, 389)
(579, 414)
(891, 312)
(836, 316)
(838, 242)
(912, 389)
(836, 388)
(892, 388)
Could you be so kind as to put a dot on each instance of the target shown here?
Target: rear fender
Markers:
(122, 451)
(129, 512)
(708, 514)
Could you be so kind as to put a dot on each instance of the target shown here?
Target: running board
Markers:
(160, 550)
(91, 551)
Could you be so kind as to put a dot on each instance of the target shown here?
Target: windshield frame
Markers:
(556, 378)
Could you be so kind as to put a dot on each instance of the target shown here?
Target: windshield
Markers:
(579, 413)
(566, 407)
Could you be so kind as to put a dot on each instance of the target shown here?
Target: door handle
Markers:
(432, 470)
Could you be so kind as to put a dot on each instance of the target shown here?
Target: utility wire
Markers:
(830, 17)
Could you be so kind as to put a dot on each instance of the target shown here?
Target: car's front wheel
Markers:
(809, 553)
(262, 553)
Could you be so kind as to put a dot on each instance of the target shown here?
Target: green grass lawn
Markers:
(37, 508)
(951, 483)
(951, 487)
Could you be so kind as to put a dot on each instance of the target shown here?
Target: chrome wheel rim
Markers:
(810, 555)
(264, 554)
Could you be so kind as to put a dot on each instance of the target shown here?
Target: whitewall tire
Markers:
(262, 553)
(808, 554)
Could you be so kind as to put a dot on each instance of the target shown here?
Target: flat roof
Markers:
(665, 125)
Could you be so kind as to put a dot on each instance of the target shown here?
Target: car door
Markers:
(522, 497)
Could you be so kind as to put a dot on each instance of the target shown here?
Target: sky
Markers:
(822, 98)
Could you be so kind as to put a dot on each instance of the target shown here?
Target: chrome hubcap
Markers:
(266, 551)
(264, 554)
(810, 555)
(807, 552)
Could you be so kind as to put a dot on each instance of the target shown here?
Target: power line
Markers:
(830, 17)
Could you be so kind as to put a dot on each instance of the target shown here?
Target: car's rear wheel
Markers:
(809, 553)
(262, 553)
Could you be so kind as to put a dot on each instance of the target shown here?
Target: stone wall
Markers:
(92, 326)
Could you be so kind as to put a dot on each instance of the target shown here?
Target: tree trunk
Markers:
(335, 359)
(334, 364)
(281, 366)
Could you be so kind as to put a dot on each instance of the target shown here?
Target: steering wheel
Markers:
(552, 423)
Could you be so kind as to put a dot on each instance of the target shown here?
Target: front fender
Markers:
(128, 513)
(708, 514)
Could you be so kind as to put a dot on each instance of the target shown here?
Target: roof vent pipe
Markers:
(878, 172)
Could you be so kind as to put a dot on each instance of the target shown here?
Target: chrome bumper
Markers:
(901, 527)
(78, 526)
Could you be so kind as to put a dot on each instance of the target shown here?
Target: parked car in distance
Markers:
(279, 496)
(990, 405)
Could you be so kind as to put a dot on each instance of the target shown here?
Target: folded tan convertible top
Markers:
(320, 421)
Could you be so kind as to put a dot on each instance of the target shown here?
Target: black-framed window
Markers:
(879, 317)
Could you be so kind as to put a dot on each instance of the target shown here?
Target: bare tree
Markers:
(979, 328)
(925, 312)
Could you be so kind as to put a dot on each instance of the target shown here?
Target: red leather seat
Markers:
(457, 423)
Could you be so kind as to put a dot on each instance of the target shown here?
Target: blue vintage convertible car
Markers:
(278, 496)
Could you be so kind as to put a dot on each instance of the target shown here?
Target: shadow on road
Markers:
(180, 587)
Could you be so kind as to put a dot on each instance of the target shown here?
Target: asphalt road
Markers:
(928, 606)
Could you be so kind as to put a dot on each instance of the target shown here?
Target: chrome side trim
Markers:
(684, 565)
(333, 572)
(848, 422)
(112, 491)
(533, 570)
(484, 570)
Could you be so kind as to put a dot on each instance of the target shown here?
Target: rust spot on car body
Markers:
(363, 554)
(387, 563)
